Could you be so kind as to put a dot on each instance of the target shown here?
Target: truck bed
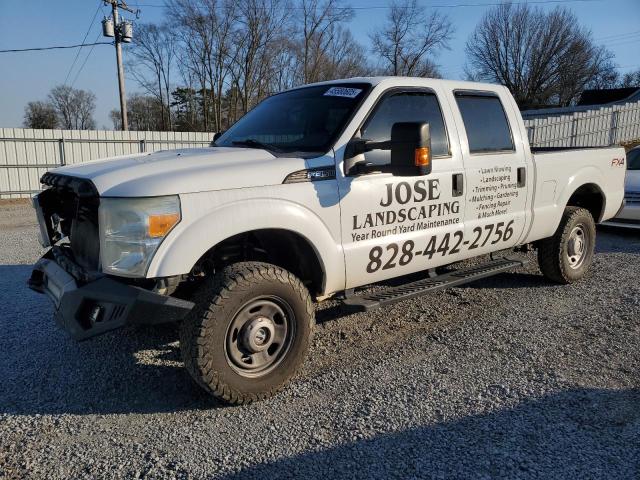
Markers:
(561, 172)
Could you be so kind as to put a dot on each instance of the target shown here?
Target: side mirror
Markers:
(216, 136)
(410, 148)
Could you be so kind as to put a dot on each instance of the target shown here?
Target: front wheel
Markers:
(249, 332)
(567, 255)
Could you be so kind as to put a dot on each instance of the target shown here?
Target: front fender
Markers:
(203, 227)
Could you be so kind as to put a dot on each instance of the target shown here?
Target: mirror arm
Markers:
(362, 168)
(378, 145)
(361, 145)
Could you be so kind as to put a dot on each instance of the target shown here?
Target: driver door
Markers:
(395, 225)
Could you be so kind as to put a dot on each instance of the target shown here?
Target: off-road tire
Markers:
(203, 334)
(553, 257)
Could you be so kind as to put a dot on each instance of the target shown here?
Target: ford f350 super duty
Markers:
(316, 192)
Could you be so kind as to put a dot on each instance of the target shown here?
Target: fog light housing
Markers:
(95, 314)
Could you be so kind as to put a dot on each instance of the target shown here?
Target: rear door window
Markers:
(485, 122)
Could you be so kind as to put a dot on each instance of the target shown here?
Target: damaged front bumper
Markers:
(86, 306)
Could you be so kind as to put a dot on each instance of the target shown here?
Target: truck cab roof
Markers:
(392, 81)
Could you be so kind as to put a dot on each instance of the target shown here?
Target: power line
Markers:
(450, 5)
(615, 36)
(85, 61)
(626, 42)
(83, 40)
(54, 48)
(615, 41)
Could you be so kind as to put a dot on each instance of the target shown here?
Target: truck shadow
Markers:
(43, 371)
(576, 433)
(132, 370)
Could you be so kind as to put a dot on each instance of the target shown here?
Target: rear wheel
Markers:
(249, 332)
(567, 255)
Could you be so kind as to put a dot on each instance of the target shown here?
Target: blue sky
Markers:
(36, 23)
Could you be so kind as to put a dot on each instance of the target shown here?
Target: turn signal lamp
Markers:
(161, 224)
(422, 157)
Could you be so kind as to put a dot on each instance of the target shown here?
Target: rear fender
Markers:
(587, 175)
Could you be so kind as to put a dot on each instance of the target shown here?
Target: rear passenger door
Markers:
(496, 172)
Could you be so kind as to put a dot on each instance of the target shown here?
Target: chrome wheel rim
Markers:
(259, 336)
(577, 246)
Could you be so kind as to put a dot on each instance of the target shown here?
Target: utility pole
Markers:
(118, 33)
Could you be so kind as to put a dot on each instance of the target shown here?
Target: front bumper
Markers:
(88, 309)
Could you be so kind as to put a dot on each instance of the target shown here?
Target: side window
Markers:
(633, 159)
(405, 107)
(485, 122)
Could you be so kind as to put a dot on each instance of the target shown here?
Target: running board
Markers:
(369, 301)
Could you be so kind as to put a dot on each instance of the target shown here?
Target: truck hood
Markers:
(183, 171)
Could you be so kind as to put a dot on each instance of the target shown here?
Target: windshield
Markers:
(633, 159)
(304, 120)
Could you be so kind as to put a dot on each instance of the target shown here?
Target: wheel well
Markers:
(280, 247)
(588, 196)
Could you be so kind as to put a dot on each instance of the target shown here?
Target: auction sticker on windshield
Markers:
(342, 92)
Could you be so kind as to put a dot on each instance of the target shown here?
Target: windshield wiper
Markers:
(253, 143)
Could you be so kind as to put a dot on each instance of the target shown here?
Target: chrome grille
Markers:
(70, 209)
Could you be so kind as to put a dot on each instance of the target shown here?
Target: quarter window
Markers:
(633, 159)
(485, 123)
(405, 107)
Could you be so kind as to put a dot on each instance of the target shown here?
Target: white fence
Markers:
(609, 125)
(25, 154)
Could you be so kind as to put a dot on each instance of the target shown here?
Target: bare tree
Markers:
(116, 119)
(630, 79)
(74, 107)
(260, 31)
(543, 57)
(151, 62)
(40, 115)
(320, 33)
(206, 29)
(610, 78)
(410, 39)
(607, 77)
(345, 57)
(145, 112)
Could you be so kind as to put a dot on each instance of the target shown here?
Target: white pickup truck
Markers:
(316, 192)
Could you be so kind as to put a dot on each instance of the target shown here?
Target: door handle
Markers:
(522, 177)
(457, 184)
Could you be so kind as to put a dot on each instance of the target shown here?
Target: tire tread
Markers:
(550, 250)
(209, 299)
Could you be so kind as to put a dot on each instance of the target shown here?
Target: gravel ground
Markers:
(507, 377)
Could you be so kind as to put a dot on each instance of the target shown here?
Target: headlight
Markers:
(131, 229)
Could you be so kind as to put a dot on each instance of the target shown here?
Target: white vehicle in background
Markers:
(315, 193)
(629, 216)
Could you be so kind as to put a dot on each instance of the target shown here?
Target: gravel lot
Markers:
(508, 377)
